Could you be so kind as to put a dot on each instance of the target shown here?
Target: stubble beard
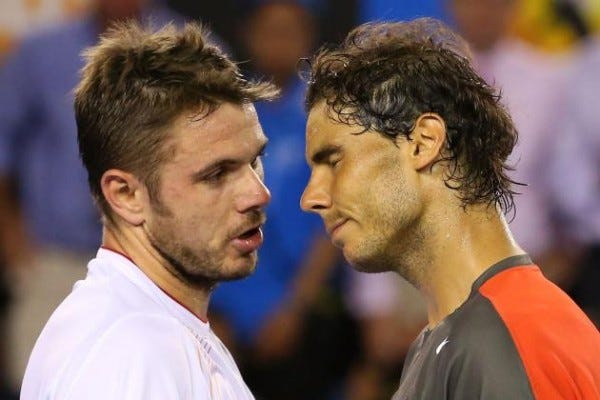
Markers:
(398, 243)
(196, 268)
(411, 261)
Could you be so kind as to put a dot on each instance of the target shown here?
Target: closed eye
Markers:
(257, 161)
(333, 162)
(329, 155)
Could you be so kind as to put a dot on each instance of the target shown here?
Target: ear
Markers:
(427, 140)
(125, 194)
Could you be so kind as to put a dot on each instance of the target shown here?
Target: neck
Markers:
(460, 247)
(132, 243)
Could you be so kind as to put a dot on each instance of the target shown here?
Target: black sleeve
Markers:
(484, 362)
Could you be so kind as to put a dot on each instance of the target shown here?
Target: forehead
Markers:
(322, 130)
(228, 123)
(326, 137)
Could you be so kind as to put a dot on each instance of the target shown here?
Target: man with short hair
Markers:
(408, 148)
(172, 146)
(45, 245)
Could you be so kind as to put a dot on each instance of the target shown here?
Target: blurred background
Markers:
(304, 326)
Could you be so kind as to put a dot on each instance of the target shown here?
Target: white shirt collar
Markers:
(135, 275)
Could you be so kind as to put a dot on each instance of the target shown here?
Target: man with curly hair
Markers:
(408, 148)
(172, 145)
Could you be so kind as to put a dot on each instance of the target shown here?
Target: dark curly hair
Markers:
(385, 75)
(135, 83)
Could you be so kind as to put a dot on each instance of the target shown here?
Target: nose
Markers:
(253, 194)
(316, 195)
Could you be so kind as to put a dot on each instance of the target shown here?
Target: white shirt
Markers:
(119, 336)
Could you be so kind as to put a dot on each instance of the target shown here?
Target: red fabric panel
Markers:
(559, 345)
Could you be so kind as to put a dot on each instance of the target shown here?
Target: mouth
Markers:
(333, 228)
(250, 228)
(249, 240)
(249, 233)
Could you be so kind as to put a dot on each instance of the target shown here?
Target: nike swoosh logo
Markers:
(439, 348)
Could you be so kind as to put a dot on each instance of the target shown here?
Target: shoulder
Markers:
(472, 353)
(139, 338)
(523, 328)
(526, 301)
(144, 327)
(144, 355)
(469, 356)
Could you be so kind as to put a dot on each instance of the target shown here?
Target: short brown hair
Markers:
(135, 83)
(385, 75)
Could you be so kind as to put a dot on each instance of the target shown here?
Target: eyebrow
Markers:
(225, 162)
(324, 154)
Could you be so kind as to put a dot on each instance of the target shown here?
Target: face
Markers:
(207, 223)
(363, 189)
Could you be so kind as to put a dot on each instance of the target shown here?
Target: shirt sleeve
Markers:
(483, 362)
(140, 358)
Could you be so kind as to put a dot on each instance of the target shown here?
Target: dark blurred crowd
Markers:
(304, 326)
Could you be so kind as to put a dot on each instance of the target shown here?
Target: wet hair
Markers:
(134, 85)
(384, 76)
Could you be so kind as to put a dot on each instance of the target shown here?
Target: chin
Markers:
(235, 276)
(367, 262)
(369, 268)
(240, 269)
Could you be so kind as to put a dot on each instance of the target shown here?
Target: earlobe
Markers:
(427, 140)
(123, 192)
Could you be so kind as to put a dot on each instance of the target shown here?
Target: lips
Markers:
(333, 228)
(249, 233)
(250, 239)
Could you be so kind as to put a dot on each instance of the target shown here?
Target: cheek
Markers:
(394, 195)
(403, 203)
(354, 183)
(195, 224)
(201, 215)
(207, 223)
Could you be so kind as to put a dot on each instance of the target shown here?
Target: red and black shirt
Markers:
(517, 336)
